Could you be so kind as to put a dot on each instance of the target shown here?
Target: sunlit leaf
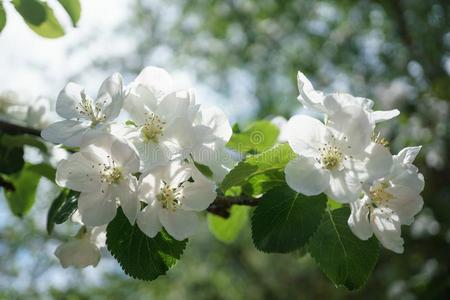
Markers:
(2, 17)
(227, 230)
(73, 9)
(269, 163)
(257, 137)
(22, 199)
(34, 12)
(50, 28)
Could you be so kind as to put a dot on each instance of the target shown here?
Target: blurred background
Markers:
(243, 55)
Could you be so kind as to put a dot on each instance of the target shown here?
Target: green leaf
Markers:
(22, 199)
(62, 208)
(270, 161)
(43, 169)
(139, 256)
(344, 258)
(11, 159)
(285, 220)
(2, 17)
(22, 140)
(33, 11)
(50, 28)
(256, 138)
(205, 170)
(227, 230)
(73, 9)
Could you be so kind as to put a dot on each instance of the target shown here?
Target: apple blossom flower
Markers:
(102, 172)
(12, 106)
(84, 249)
(332, 103)
(389, 202)
(84, 115)
(160, 126)
(174, 193)
(38, 114)
(330, 155)
(170, 125)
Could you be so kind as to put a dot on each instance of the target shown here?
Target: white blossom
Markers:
(332, 158)
(84, 249)
(332, 103)
(390, 202)
(102, 172)
(174, 194)
(38, 114)
(170, 125)
(83, 114)
(12, 106)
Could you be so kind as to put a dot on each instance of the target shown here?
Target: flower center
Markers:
(330, 157)
(378, 194)
(169, 197)
(90, 111)
(378, 139)
(153, 128)
(110, 173)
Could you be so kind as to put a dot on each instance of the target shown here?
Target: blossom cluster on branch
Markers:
(146, 159)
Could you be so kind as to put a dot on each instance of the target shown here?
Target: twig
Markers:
(10, 128)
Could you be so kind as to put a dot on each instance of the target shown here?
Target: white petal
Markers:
(149, 186)
(343, 188)
(216, 119)
(152, 154)
(148, 221)
(384, 115)
(359, 219)
(67, 132)
(98, 236)
(303, 176)
(177, 173)
(308, 96)
(351, 126)
(379, 161)
(98, 207)
(387, 229)
(180, 224)
(79, 253)
(125, 156)
(68, 99)
(110, 96)
(126, 194)
(139, 101)
(173, 105)
(157, 80)
(305, 135)
(78, 174)
(198, 195)
(406, 204)
(409, 177)
(408, 155)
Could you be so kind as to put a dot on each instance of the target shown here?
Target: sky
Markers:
(36, 66)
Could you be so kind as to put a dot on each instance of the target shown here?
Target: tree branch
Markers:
(221, 205)
(10, 128)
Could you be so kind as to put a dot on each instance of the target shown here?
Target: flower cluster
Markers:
(347, 160)
(146, 165)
